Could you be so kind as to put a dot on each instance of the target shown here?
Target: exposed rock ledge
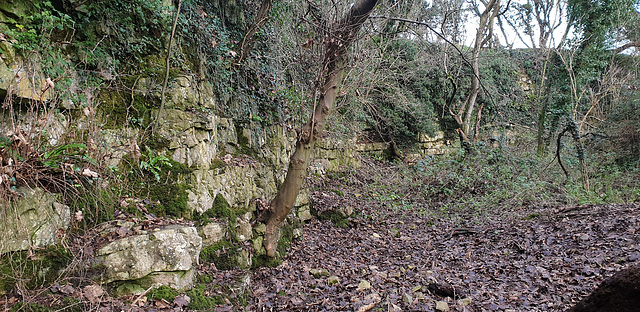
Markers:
(164, 256)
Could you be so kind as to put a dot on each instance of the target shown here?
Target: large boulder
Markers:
(32, 221)
(164, 257)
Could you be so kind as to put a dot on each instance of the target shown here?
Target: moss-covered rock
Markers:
(33, 220)
(117, 109)
(212, 232)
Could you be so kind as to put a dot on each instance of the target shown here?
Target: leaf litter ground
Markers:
(406, 255)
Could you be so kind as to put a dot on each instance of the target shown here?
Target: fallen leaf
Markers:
(364, 285)
(93, 293)
(182, 301)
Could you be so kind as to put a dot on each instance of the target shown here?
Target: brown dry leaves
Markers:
(543, 264)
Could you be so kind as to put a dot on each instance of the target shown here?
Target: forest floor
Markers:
(397, 254)
(392, 258)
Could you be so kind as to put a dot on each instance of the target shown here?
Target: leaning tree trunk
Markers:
(342, 34)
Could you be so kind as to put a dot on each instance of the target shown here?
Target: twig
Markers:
(166, 76)
(140, 297)
(462, 231)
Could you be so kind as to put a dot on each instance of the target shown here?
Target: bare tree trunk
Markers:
(483, 35)
(343, 33)
(250, 37)
(542, 114)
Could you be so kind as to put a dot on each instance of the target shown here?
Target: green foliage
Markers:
(53, 158)
(153, 163)
(408, 95)
(599, 20)
(503, 97)
(482, 181)
(128, 30)
(169, 191)
(97, 204)
(40, 27)
(166, 192)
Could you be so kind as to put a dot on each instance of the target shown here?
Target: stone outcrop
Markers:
(166, 256)
(335, 155)
(238, 165)
(20, 78)
(433, 145)
(35, 220)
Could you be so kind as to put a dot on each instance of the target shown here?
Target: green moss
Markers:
(339, 219)
(223, 254)
(532, 216)
(119, 109)
(163, 292)
(40, 269)
(156, 142)
(30, 307)
(204, 278)
(265, 261)
(219, 209)
(172, 197)
(168, 193)
(123, 288)
(202, 302)
(218, 164)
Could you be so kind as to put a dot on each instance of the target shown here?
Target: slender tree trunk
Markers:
(343, 33)
(167, 67)
(542, 114)
(250, 37)
(483, 35)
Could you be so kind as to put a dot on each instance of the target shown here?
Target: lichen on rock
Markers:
(32, 221)
(162, 256)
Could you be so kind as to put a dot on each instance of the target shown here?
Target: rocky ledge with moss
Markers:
(164, 256)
